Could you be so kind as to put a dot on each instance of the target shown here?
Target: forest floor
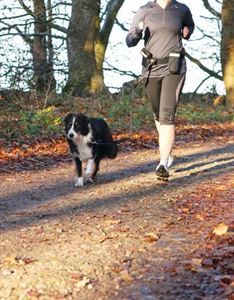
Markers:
(127, 236)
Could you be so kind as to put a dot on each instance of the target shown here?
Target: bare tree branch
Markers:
(121, 25)
(13, 17)
(211, 9)
(205, 35)
(27, 9)
(113, 7)
(197, 88)
(52, 25)
(58, 27)
(204, 68)
(24, 36)
(117, 70)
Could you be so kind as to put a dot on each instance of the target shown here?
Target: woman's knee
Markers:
(167, 117)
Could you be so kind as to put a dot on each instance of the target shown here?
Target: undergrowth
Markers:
(20, 121)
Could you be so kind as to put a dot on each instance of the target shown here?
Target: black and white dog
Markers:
(90, 140)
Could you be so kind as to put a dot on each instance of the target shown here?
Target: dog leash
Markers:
(109, 143)
(139, 80)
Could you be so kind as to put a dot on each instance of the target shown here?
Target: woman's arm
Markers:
(135, 32)
(188, 25)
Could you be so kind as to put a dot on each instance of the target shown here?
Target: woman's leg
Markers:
(170, 91)
(153, 90)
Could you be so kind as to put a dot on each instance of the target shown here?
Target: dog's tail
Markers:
(110, 146)
(111, 150)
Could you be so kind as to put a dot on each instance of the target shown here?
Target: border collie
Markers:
(90, 140)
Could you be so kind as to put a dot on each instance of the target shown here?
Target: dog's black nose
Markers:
(71, 135)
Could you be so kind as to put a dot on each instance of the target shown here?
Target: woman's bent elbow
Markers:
(131, 42)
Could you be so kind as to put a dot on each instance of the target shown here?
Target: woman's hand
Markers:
(185, 32)
(141, 25)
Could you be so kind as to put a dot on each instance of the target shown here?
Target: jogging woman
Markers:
(162, 24)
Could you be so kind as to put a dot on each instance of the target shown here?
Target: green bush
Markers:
(197, 113)
(33, 123)
(123, 113)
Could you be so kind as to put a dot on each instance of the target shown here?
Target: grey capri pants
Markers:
(164, 93)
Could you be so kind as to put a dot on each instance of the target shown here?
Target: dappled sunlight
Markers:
(40, 154)
(123, 242)
(129, 179)
(128, 234)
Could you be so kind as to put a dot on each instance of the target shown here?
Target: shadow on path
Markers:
(32, 198)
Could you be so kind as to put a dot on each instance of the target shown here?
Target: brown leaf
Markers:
(113, 221)
(126, 276)
(195, 265)
(16, 261)
(116, 268)
(9, 261)
(199, 217)
(151, 237)
(185, 210)
(220, 229)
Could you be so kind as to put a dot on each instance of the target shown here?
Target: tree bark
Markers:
(82, 32)
(44, 80)
(227, 50)
(87, 43)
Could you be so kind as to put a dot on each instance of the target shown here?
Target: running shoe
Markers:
(162, 172)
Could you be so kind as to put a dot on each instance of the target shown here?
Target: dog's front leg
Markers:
(96, 167)
(89, 170)
(79, 179)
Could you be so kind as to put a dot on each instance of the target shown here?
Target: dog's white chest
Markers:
(85, 151)
(83, 147)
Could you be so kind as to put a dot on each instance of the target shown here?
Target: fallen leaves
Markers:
(109, 222)
(37, 154)
(220, 229)
(119, 231)
(83, 283)
(151, 237)
(199, 217)
(125, 275)
(195, 265)
(15, 261)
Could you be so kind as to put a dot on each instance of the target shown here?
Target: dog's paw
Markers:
(79, 181)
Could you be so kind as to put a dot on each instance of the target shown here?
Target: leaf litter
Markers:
(135, 238)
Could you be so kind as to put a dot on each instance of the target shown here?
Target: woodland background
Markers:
(53, 57)
(127, 236)
(61, 45)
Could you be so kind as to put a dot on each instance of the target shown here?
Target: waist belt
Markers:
(155, 61)
(161, 61)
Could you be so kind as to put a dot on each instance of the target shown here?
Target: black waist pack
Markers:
(174, 62)
(147, 58)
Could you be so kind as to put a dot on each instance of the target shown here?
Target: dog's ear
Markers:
(85, 120)
(67, 118)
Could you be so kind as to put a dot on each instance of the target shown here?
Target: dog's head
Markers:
(76, 125)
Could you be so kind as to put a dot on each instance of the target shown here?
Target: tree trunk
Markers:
(50, 65)
(227, 49)
(83, 77)
(87, 43)
(43, 69)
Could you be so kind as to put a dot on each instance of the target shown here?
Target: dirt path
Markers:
(128, 236)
